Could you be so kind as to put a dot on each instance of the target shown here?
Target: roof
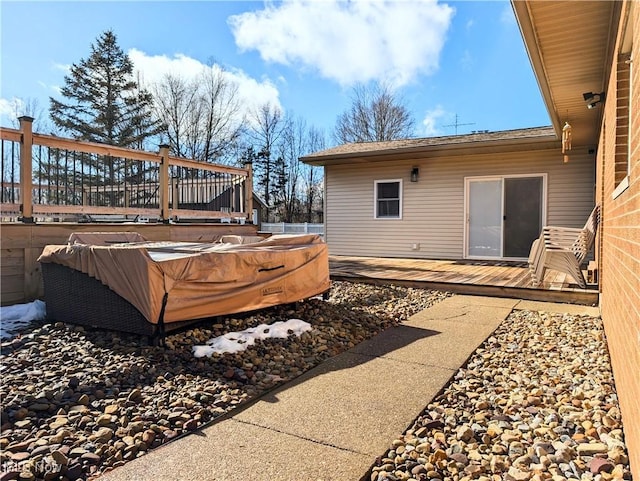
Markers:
(259, 199)
(485, 141)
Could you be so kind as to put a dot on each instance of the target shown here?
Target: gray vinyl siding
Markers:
(433, 207)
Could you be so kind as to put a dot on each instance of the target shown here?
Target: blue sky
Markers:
(444, 58)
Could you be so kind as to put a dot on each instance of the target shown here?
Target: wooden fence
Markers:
(22, 244)
(47, 178)
(297, 228)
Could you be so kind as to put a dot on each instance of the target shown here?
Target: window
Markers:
(624, 111)
(622, 118)
(388, 199)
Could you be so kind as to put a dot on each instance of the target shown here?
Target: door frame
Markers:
(466, 221)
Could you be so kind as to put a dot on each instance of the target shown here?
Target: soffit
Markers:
(569, 45)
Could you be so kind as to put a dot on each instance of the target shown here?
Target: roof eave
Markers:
(570, 57)
(523, 17)
(521, 144)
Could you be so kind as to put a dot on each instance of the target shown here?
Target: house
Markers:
(442, 197)
(229, 197)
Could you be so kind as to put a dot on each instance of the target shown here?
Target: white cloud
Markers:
(429, 128)
(10, 106)
(10, 110)
(349, 42)
(251, 92)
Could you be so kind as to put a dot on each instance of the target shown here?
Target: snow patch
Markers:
(233, 342)
(17, 317)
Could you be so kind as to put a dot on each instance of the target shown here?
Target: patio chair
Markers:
(563, 249)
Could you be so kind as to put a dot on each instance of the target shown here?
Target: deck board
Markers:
(501, 278)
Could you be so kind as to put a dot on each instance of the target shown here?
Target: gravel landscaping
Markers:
(77, 402)
(535, 402)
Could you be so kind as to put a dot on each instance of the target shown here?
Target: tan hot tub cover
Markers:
(200, 279)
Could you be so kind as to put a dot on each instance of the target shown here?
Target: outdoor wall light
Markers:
(414, 174)
(593, 99)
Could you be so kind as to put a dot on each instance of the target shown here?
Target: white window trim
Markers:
(621, 187)
(624, 183)
(375, 198)
(631, 115)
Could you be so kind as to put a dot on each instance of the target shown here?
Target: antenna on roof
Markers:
(457, 124)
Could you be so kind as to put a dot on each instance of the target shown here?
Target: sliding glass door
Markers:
(522, 214)
(485, 218)
(503, 215)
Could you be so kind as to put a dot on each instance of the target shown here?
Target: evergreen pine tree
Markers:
(278, 189)
(103, 101)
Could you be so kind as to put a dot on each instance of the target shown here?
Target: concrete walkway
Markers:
(332, 422)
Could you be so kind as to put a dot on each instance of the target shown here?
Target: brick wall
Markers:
(619, 248)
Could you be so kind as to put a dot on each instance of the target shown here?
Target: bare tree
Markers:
(175, 99)
(264, 132)
(10, 165)
(222, 121)
(31, 107)
(312, 186)
(201, 117)
(376, 114)
(293, 144)
(291, 189)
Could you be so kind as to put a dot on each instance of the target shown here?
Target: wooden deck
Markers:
(500, 279)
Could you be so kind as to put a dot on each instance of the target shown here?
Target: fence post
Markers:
(26, 168)
(248, 191)
(306, 227)
(163, 179)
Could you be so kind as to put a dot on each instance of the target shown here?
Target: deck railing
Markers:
(51, 178)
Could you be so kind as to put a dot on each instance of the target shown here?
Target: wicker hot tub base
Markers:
(76, 298)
